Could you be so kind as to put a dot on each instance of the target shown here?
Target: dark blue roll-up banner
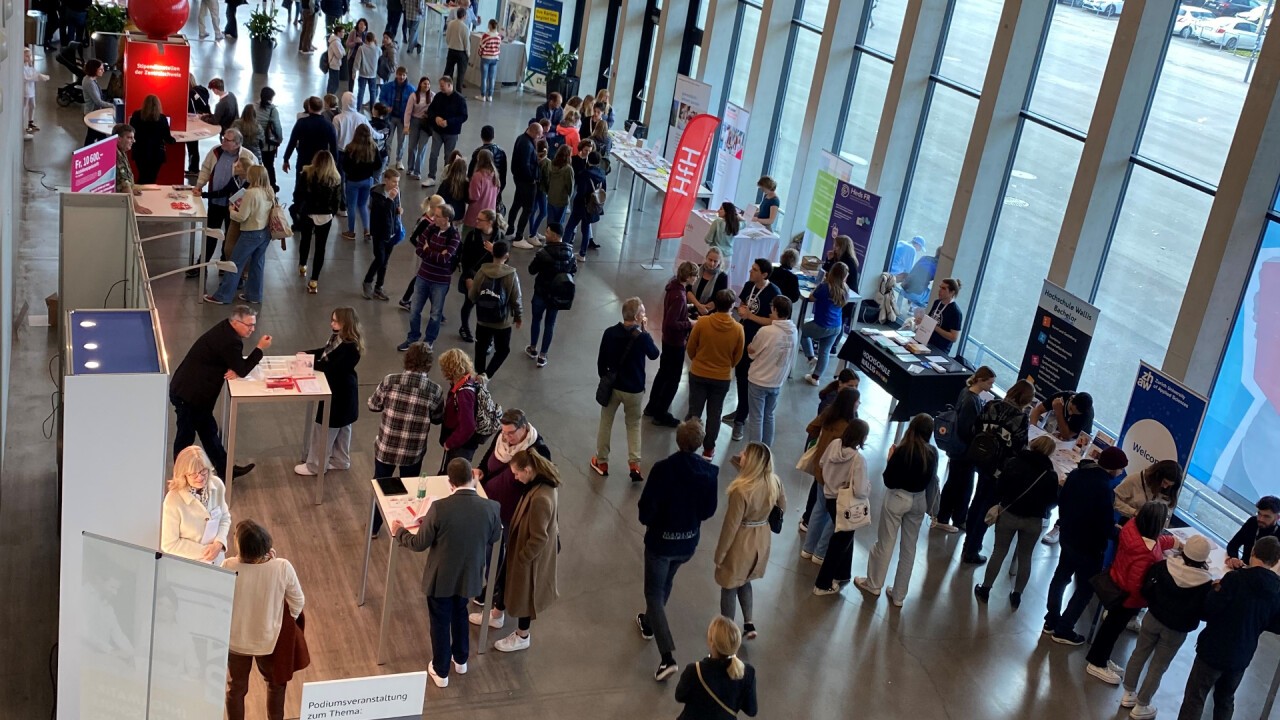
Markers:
(1059, 341)
(853, 212)
(1162, 422)
(546, 32)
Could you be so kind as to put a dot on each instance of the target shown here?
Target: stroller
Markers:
(69, 58)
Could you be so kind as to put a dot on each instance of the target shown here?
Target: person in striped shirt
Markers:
(490, 49)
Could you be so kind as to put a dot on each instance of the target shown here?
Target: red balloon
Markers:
(159, 18)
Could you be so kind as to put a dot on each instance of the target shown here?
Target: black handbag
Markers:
(1109, 593)
(604, 391)
(775, 520)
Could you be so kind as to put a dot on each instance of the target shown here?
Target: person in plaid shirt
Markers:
(413, 10)
(408, 401)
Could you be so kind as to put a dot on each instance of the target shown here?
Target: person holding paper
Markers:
(946, 316)
(459, 530)
(337, 360)
(196, 519)
(1065, 414)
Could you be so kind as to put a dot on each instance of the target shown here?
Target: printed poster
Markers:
(690, 100)
(379, 697)
(831, 170)
(93, 167)
(1162, 422)
(733, 136)
(1059, 341)
(546, 32)
(853, 211)
(515, 27)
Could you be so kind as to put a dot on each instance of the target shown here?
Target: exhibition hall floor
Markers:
(942, 655)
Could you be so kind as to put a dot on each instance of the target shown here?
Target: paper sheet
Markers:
(211, 527)
(309, 385)
(924, 329)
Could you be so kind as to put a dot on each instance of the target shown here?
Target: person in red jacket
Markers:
(675, 336)
(1142, 544)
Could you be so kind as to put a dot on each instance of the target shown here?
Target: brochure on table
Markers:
(733, 135)
(906, 348)
(691, 99)
(1059, 341)
(1162, 422)
(380, 697)
(853, 212)
(831, 170)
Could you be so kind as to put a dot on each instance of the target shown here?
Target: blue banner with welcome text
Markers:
(1162, 422)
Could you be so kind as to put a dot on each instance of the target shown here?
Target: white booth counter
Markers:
(752, 241)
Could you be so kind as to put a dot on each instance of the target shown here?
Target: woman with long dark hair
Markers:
(724, 228)
(317, 195)
(827, 427)
(337, 360)
(151, 135)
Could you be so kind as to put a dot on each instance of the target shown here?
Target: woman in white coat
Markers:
(196, 518)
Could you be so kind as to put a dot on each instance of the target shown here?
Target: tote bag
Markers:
(852, 512)
(808, 459)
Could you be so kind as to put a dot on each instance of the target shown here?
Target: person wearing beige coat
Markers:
(196, 498)
(534, 541)
(742, 554)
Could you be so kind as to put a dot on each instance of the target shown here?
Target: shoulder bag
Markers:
(852, 512)
(808, 459)
(993, 514)
(1109, 593)
(278, 223)
(698, 668)
(604, 391)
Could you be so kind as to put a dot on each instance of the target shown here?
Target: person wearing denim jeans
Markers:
(250, 251)
(490, 49)
(753, 312)
(623, 350)
(396, 95)
(679, 496)
(419, 134)
(361, 162)
(715, 346)
(552, 260)
(436, 245)
(413, 11)
(772, 353)
(425, 292)
(824, 329)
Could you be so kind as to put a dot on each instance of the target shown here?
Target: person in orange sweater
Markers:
(715, 346)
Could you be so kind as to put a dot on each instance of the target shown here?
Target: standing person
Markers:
(742, 554)
(753, 312)
(540, 187)
(1261, 525)
(335, 54)
(560, 179)
(226, 110)
(151, 133)
(551, 109)
(337, 360)
(947, 314)
(784, 276)
(524, 171)
(333, 11)
(623, 349)
(215, 356)
(385, 212)
(445, 116)
(553, 268)
(720, 682)
(487, 134)
(568, 129)
(1243, 605)
(395, 11)
(679, 497)
(354, 41)
(457, 37)
(455, 186)
(495, 292)
(217, 171)
(490, 50)
(388, 57)
(250, 252)
(307, 10)
(716, 344)
(272, 132)
(195, 505)
(826, 428)
(266, 588)
(232, 30)
(459, 530)
(770, 206)
(436, 244)
(209, 8)
(1157, 481)
(407, 402)
(953, 508)
(396, 95)
(458, 434)
(586, 209)
(415, 120)
(829, 299)
(360, 164)
(310, 135)
(912, 466)
(1004, 422)
(723, 229)
(676, 327)
(93, 69)
(710, 280)
(1175, 591)
(1142, 543)
(413, 11)
(1086, 525)
(772, 353)
(248, 126)
(482, 188)
(476, 250)
(1027, 488)
(316, 198)
(197, 104)
(843, 466)
(533, 546)
(365, 68)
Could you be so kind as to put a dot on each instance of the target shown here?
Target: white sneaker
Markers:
(512, 643)
(535, 241)
(428, 182)
(524, 245)
(826, 591)
(494, 622)
(441, 682)
(1105, 674)
(399, 165)
(302, 469)
(1143, 712)
(460, 668)
(1129, 700)
(816, 560)
(805, 554)
(1051, 537)
(1135, 624)
(1117, 669)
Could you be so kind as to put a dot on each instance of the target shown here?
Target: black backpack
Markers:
(561, 291)
(492, 302)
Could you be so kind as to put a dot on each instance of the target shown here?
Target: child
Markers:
(389, 59)
(29, 78)
(384, 211)
(540, 191)
(365, 69)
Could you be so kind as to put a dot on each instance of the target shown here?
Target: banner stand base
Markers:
(651, 266)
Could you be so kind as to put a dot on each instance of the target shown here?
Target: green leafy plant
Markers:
(559, 62)
(107, 18)
(262, 23)
(345, 26)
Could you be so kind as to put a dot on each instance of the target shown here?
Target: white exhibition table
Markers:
(253, 389)
(752, 241)
(648, 166)
(388, 507)
(170, 204)
(105, 119)
(510, 63)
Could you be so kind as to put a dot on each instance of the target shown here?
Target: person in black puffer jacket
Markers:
(1006, 421)
(1027, 488)
(476, 250)
(1175, 590)
(551, 293)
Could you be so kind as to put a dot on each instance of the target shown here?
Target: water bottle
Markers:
(422, 487)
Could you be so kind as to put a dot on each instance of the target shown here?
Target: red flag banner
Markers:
(686, 175)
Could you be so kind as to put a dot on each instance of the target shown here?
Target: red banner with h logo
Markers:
(686, 175)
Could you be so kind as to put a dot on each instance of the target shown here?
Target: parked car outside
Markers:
(1227, 8)
(1184, 25)
(1109, 8)
(1229, 33)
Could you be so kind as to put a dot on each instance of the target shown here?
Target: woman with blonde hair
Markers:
(829, 299)
(196, 519)
(361, 163)
(720, 683)
(150, 136)
(482, 188)
(742, 554)
(534, 542)
(316, 199)
(458, 430)
(337, 360)
(252, 211)
(602, 104)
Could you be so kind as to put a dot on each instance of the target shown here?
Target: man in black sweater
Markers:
(679, 497)
(623, 349)
(1084, 506)
(1243, 605)
(499, 157)
(311, 134)
(524, 169)
(445, 116)
(1254, 529)
(196, 384)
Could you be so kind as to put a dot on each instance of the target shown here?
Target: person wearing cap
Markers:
(1242, 606)
(1084, 509)
(1175, 590)
(1254, 529)
(1065, 414)
(904, 255)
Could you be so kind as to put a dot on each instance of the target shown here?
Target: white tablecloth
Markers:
(752, 241)
(510, 63)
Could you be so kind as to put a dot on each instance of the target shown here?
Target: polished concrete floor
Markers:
(942, 655)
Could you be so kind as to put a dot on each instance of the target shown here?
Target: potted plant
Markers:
(560, 65)
(262, 28)
(106, 23)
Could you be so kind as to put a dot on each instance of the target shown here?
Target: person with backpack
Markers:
(437, 245)
(1001, 433)
(676, 326)
(1028, 487)
(588, 202)
(459, 430)
(499, 157)
(953, 505)
(477, 249)
(495, 291)
(524, 171)
(623, 349)
(553, 268)
(1175, 590)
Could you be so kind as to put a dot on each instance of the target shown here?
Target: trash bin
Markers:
(35, 22)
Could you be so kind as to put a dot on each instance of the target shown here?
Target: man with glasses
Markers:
(216, 356)
(218, 173)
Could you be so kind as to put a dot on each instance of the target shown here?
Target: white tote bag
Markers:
(852, 512)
